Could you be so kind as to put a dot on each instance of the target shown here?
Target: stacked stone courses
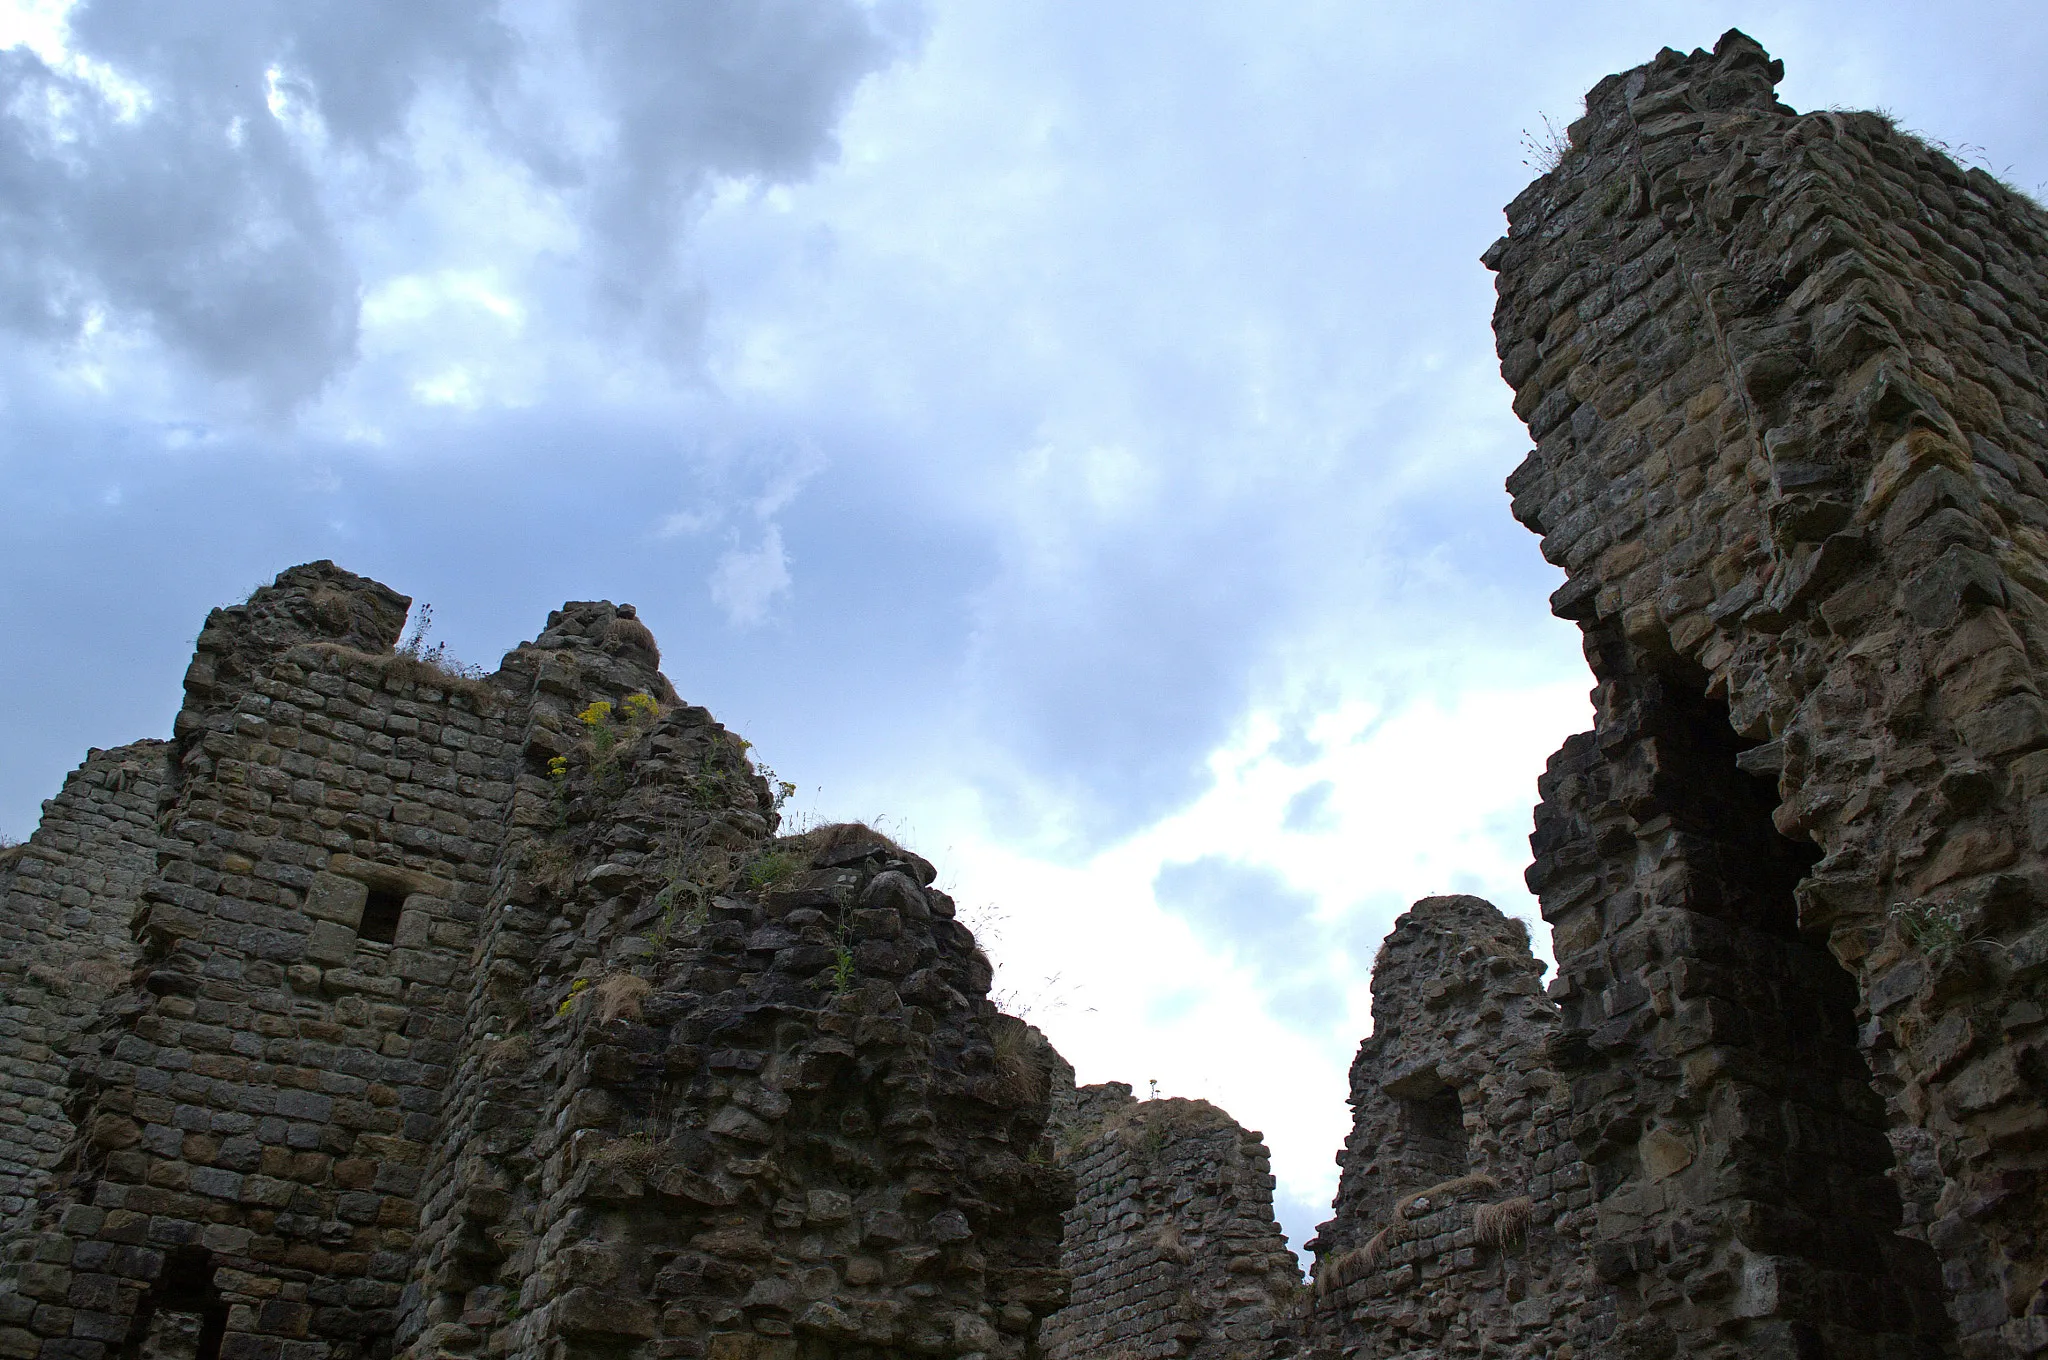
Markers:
(1171, 1242)
(64, 946)
(1462, 1213)
(1786, 377)
(393, 1009)
(453, 1014)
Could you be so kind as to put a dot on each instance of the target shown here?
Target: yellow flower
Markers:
(596, 715)
(559, 766)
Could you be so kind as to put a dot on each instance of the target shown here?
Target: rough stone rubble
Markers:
(472, 1016)
(389, 1010)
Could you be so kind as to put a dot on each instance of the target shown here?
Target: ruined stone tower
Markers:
(470, 1015)
(1461, 1219)
(390, 1009)
(1788, 379)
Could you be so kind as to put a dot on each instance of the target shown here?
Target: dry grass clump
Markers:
(1348, 1266)
(1018, 1066)
(618, 996)
(1442, 1190)
(431, 669)
(821, 841)
(333, 609)
(104, 974)
(1166, 1244)
(1154, 1123)
(628, 631)
(11, 851)
(1499, 1224)
(551, 868)
(512, 1051)
(637, 1153)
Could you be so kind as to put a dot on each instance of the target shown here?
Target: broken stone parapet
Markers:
(65, 898)
(1171, 1243)
(1463, 1210)
(486, 1015)
(1787, 375)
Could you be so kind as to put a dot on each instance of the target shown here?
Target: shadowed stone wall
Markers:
(485, 1015)
(1171, 1242)
(1462, 1213)
(64, 945)
(1786, 375)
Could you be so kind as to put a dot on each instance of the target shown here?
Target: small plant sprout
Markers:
(842, 956)
(415, 644)
(1543, 152)
(436, 661)
(576, 991)
(779, 789)
(598, 725)
(1938, 930)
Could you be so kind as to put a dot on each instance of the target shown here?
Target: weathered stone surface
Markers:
(1171, 1242)
(1786, 377)
(65, 898)
(484, 1015)
(1463, 1211)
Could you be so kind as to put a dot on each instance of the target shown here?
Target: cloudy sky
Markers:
(1069, 434)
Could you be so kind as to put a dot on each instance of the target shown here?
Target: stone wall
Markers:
(484, 1015)
(64, 945)
(1171, 1242)
(1786, 377)
(1462, 1214)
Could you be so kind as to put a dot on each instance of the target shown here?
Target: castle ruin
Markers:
(386, 1010)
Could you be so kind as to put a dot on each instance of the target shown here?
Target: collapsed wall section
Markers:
(483, 1015)
(1786, 377)
(729, 1095)
(254, 1117)
(1171, 1243)
(1463, 1211)
(65, 898)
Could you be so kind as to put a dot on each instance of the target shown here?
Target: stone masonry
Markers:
(1786, 377)
(397, 1009)
(1463, 1211)
(485, 1015)
(64, 947)
(1171, 1243)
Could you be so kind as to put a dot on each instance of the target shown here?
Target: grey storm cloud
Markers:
(150, 182)
(702, 90)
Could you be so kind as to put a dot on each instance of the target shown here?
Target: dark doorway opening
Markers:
(183, 1317)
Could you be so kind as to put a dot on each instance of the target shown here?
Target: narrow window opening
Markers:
(1433, 1132)
(380, 916)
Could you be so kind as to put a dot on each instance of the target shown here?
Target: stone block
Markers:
(329, 944)
(337, 899)
(2005, 727)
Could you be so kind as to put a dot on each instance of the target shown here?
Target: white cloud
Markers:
(746, 581)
